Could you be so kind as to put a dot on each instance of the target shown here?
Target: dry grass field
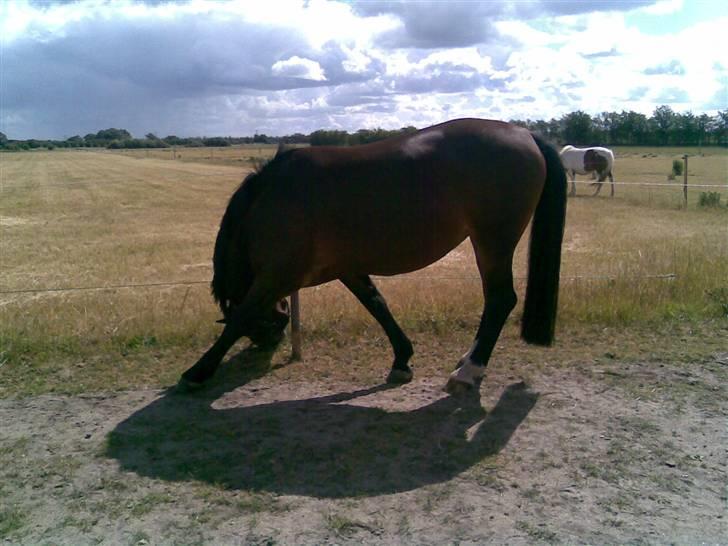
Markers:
(235, 156)
(104, 299)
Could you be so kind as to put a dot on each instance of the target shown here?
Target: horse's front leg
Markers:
(260, 298)
(572, 193)
(599, 183)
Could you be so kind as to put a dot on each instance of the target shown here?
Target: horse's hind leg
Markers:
(500, 299)
(573, 183)
(365, 291)
(611, 182)
(261, 297)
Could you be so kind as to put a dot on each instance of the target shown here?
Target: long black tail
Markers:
(544, 260)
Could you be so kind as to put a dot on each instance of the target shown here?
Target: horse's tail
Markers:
(231, 269)
(544, 260)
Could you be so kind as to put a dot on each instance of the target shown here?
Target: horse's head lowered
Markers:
(268, 331)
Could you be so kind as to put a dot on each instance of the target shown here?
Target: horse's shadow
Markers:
(318, 446)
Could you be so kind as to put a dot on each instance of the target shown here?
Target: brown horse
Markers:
(313, 215)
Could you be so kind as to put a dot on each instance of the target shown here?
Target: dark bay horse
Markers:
(313, 215)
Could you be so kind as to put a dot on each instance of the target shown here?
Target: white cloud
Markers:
(663, 7)
(296, 67)
(281, 66)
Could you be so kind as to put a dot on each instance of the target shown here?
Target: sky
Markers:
(236, 68)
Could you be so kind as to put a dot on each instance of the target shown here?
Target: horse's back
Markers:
(400, 204)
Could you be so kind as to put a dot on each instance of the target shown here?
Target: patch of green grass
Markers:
(436, 495)
(148, 503)
(342, 526)
(485, 474)
(623, 502)
(639, 425)
(532, 493)
(139, 538)
(11, 520)
(591, 469)
(538, 532)
(14, 449)
(60, 467)
(259, 502)
(83, 523)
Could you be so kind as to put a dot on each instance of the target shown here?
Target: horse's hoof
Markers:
(399, 377)
(457, 388)
(185, 386)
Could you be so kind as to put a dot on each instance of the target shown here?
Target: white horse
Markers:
(598, 161)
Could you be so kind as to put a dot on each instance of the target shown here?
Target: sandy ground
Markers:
(624, 453)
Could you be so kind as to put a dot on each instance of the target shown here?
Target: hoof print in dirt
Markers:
(399, 377)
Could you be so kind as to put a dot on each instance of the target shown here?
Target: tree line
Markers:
(663, 128)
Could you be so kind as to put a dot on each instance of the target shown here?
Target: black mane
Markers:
(225, 266)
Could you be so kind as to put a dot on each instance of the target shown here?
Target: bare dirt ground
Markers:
(614, 452)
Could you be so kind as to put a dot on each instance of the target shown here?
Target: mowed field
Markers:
(616, 434)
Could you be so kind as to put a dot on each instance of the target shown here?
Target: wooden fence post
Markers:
(295, 327)
(685, 181)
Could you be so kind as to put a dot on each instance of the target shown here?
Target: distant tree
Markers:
(329, 138)
(625, 128)
(295, 138)
(719, 127)
(663, 119)
(216, 141)
(74, 142)
(174, 140)
(686, 129)
(137, 143)
(577, 128)
(113, 134)
(703, 125)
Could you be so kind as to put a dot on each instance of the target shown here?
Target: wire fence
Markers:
(6, 186)
(674, 185)
(398, 278)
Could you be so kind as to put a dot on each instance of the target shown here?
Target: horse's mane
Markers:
(230, 261)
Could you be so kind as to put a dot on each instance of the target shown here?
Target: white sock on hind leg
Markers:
(468, 373)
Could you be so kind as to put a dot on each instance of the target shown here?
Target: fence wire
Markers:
(397, 278)
(675, 185)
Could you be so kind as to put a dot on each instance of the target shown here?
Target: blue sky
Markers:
(204, 67)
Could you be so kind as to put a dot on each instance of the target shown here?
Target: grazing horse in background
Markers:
(595, 160)
(313, 215)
